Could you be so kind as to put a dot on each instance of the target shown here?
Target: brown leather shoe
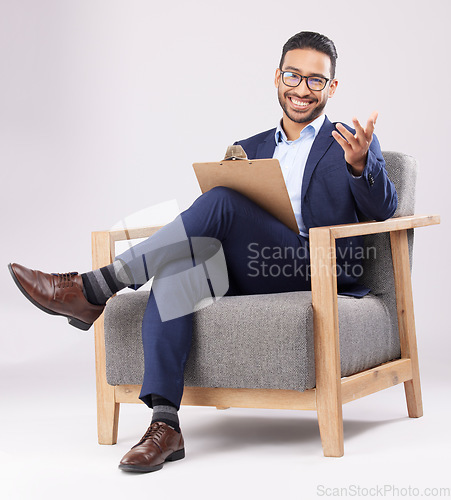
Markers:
(59, 294)
(159, 444)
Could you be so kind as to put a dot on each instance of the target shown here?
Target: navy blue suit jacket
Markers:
(331, 195)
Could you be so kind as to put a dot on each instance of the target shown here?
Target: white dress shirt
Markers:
(292, 156)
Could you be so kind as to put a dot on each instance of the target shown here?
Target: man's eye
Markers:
(291, 77)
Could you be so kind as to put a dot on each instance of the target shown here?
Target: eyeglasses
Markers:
(291, 79)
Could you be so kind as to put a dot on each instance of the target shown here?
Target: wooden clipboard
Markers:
(260, 180)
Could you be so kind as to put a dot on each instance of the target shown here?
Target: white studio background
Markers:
(105, 104)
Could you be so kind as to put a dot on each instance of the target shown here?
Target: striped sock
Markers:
(165, 411)
(103, 283)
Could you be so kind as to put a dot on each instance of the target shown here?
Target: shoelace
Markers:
(154, 432)
(65, 279)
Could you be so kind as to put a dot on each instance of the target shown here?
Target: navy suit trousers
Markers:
(261, 254)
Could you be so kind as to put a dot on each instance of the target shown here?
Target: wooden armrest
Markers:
(393, 224)
(103, 241)
(323, 252)
(103, 251)
(132, 233)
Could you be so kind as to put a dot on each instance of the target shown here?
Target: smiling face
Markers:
(300, 104)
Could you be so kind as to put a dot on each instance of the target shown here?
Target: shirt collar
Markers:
(316, 125)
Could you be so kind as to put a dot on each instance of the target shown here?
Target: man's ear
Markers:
(333, 87)
(277, 78)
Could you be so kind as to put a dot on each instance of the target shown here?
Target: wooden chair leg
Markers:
(330, 422)
(326, 340)
(107, 420)
(412, 388)
(107, 408)
(406, 319)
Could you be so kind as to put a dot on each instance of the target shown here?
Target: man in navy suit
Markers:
(334, 175)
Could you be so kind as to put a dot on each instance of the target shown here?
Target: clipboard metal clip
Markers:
(235, 152)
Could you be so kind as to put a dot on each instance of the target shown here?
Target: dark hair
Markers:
(315, 41)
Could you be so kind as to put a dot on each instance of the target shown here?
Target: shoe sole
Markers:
(177, 455)
(72, 321)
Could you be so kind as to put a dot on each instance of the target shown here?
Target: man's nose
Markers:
(303, 88)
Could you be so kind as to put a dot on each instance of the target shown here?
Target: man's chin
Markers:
(301, 117)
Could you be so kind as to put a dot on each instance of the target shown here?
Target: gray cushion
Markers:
(378, 267)
(266, 341)
(258, 341)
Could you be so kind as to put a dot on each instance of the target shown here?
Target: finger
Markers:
(371, 125)
(343, 143)
(350, 138)
(360, 132)
(374, 116)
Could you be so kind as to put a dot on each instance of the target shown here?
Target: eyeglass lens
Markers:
(313, 82)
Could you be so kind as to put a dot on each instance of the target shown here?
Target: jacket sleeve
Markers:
(374, 193)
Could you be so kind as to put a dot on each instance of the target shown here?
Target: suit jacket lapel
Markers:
(266, 148)
(320, 145)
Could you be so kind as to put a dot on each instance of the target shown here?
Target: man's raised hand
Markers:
(356, 146)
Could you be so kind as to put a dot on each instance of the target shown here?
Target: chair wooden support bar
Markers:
(331, 391)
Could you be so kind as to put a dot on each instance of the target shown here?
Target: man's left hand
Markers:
(356, 146)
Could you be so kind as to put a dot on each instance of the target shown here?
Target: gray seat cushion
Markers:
(258, 341)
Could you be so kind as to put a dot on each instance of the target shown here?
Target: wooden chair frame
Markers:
(331, 391)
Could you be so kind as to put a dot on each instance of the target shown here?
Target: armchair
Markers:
(298, 350)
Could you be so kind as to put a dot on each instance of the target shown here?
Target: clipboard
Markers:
(259, 180)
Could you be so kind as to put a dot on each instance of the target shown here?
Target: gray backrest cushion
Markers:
(378, 268)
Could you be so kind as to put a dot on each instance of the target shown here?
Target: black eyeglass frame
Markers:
(302, 77)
